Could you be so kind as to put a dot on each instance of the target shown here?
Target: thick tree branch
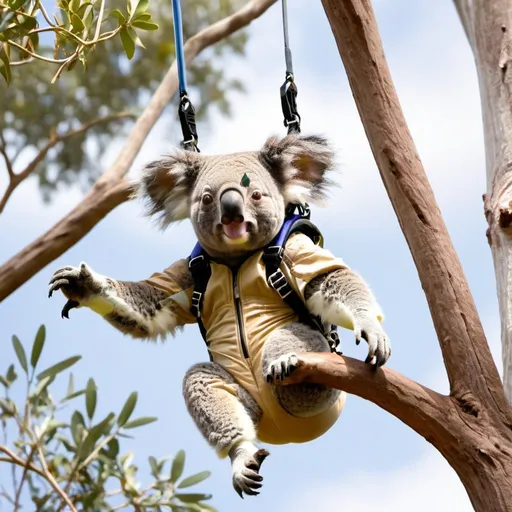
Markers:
(471, 370)
(16, 178)
(421, 408)
(110, 190)
(7, 160)
(491, 26)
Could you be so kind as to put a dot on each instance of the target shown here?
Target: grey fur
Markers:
(221, 421)
(301, 400)
(187, 184)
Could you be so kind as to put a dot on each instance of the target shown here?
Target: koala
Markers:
(237, 206)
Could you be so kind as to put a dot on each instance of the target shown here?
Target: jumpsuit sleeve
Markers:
(306, 260)
(177, 283)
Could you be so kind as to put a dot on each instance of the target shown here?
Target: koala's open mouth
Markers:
(236, 232)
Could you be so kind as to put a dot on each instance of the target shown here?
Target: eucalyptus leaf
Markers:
(127, 409)
(139, 422)
(20, 351)
(128, 42)
(4, 381)
(192, 497)
(71, 385)
(144, 25)
(178, 464)
(90, 398)
(194, 479)
(37, 347)
(116, 13)
(141, 8)
(11, 374)
(59, 367)
(77, 427)
(73, 395)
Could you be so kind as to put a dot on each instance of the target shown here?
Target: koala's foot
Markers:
(246, 462)
(282, 367)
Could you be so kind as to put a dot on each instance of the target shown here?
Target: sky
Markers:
(368, 458)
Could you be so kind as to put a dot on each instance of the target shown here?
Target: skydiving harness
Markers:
(199, 260)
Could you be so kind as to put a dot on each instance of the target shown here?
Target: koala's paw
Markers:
(370, 329)
(282, 367)
(77, 285)
(246, 477)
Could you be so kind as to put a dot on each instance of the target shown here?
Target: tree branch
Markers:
(417, 406)
(471, 370)
(3, 150)
(12, 458)
(464, 12)
(110, 190)
(17, 178)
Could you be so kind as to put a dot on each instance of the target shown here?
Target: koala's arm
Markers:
(339, 296)
(141, 309)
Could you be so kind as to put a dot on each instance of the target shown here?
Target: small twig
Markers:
(45, 14)
(3, 150)
(23, 477)
(100, 19)
(35, 55)
(16, 179)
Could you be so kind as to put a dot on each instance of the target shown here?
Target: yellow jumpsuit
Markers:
(262, 311)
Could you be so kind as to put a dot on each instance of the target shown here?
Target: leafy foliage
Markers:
(82, 456)
(115, 71)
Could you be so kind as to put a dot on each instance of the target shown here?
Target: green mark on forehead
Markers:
(245, 180)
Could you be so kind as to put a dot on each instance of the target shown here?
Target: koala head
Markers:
(237, 202)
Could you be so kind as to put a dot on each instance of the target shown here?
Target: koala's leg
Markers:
(227, 415)
(280, 359)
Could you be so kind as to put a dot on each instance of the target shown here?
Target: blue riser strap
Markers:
(178, 43)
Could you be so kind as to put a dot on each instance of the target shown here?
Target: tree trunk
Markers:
(488, 25)
(474, 426)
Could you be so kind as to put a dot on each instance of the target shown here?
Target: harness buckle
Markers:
(195, 261)
(278, 281)
(196, 302)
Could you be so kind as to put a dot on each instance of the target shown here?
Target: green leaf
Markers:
(90, 398)
(192, 497)
(73, 395)
(26, 22)
(127, 409)
(121, 18)
(194, 479)
(77, 23)
(15, 4)
(144, 25)
(59, 367)
(11, 374)
(128, 42)
(112, 449)
(42, 385)
(143, 17)
(154, 466)
(37, 347)
(20, 351)
(177, 466)
(8, 406)
(77, 427)
(141, 8)
(74, 5)
(139, 422)
(4, 381)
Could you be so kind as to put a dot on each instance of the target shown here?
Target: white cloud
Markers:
(428, 484)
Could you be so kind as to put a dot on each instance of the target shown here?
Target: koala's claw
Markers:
(379, 348)
(248, 480)
(282, 367)
(57, 284)
(70, 304)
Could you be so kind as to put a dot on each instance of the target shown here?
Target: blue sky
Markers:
(368, 458)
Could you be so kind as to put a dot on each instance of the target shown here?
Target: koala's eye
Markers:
(256, 195)
(207, 199)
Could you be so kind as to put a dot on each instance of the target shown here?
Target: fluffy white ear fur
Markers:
(299, 164)
(165, 186)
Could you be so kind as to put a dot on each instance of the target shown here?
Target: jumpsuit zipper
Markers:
(239, 316)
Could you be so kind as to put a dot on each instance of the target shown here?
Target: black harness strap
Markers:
(199, 266)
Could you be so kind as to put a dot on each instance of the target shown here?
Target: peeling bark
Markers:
(488, 25)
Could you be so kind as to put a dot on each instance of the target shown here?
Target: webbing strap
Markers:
(186, 110)
(289, 89)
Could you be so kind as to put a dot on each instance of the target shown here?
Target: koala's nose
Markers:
(231, 207)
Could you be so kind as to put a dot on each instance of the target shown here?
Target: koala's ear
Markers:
(299, 165)
(166, 185)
